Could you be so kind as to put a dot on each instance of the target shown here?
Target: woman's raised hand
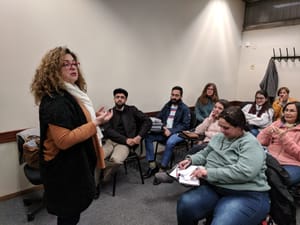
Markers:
(102, 116)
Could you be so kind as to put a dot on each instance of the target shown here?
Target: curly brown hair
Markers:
(48, 78)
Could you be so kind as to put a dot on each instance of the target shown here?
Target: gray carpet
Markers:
(134, 204)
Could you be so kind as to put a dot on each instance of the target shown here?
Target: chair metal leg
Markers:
(114, 184)
(125, 167)
(34, 206)
(132, 156)
(187, 146)
(156, 149)
(140, 169)
(99, 185)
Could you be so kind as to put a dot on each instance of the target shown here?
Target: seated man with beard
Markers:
(175, 115)
(126, 129)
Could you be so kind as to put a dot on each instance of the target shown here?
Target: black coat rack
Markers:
(287, 56)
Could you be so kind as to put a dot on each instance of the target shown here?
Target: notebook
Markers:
(184, 176)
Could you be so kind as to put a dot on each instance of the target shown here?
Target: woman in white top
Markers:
(259, 114)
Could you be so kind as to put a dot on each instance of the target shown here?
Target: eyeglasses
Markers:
(70, 64)
(290, 110)
(260, 98)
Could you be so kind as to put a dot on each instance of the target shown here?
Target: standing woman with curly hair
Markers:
(70, 146)
(206, 101)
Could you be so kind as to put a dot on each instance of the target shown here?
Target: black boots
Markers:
(150, 172)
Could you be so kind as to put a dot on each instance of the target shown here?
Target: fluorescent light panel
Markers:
(286, 5)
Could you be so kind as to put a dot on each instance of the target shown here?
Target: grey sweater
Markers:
(237, 164)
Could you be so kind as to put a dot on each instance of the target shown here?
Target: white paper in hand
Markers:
(184, 176)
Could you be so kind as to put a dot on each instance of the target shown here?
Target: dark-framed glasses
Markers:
(290, 110)
(68, 65)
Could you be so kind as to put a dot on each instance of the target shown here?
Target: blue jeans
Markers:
(254, 131)
(228, 207)
(171, 141)
(294, 173)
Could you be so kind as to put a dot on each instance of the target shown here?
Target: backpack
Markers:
(283, 208)
(31, 149)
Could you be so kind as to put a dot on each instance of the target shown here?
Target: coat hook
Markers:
(294, 57)
(287, 54)
(274, 53)
(280, 55)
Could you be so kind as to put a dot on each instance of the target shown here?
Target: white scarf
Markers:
(74, 90)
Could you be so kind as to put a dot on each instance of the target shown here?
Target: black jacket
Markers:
(134, 121)
(68, 178)
(283, 208)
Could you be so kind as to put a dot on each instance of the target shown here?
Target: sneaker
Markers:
(163, 177)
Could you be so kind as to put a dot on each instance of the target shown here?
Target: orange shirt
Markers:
(59, 139)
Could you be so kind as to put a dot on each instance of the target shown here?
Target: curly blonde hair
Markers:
(48, 78)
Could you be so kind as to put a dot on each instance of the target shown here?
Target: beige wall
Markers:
(256, 50)
(144, 46)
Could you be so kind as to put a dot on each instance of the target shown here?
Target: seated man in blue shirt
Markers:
(175, 115)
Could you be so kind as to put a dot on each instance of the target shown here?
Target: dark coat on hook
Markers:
(270, 81)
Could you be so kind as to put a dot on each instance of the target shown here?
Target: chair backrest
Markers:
(193, 121)
(21, 137)
(32, 174)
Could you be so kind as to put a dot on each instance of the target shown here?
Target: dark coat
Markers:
(269, 82)
(283, 208)
(68, 178)
(182, 117)
(134, 121)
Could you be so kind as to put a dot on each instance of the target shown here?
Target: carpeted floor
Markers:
(134, 204)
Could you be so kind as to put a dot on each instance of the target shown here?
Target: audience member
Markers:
(206, 101)
(282, 139)
(209, 128)
(70, 138)
(283, 98)
(127, 127)
(234, 188)
(175, 116)
(259, 114)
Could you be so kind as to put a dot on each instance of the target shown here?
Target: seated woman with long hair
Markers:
(205, 102)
